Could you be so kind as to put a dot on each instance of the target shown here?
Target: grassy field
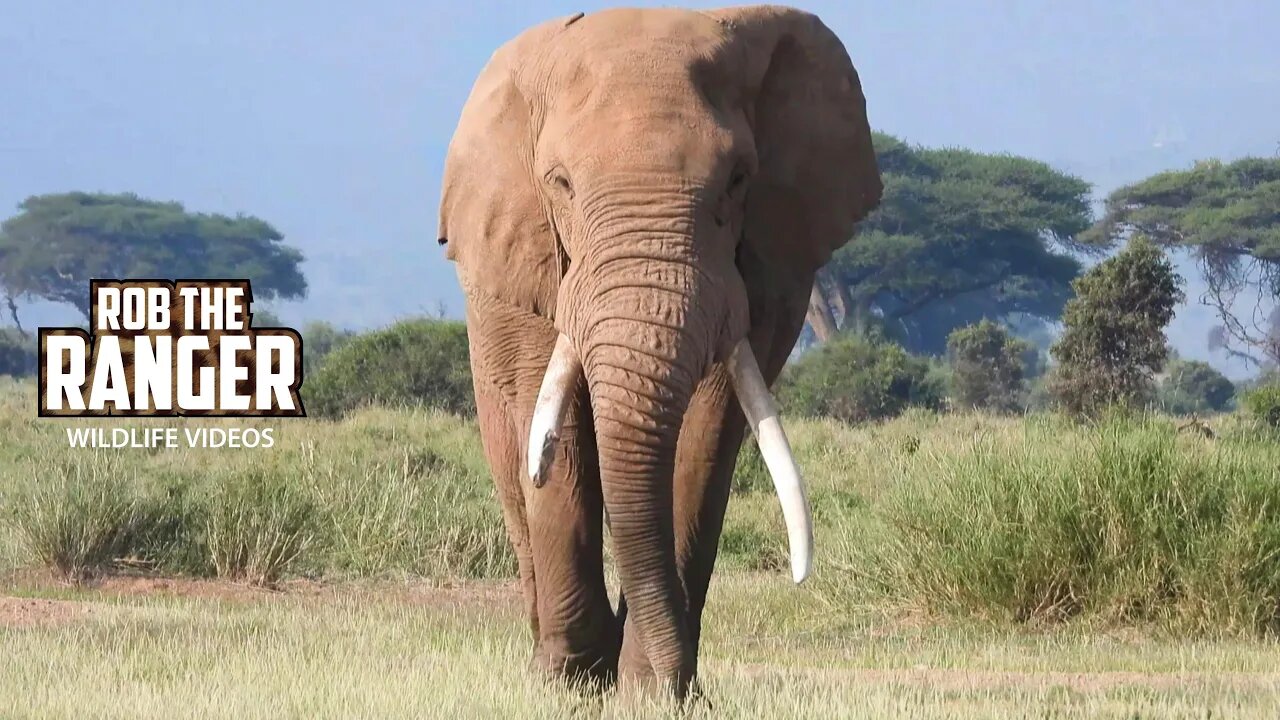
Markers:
(967, 566)
(408, 651)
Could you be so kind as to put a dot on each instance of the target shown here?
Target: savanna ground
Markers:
(968, 566)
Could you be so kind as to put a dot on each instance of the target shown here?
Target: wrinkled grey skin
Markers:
(656, 185)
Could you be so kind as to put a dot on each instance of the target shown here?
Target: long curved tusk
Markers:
(563, 371)
(762, 414)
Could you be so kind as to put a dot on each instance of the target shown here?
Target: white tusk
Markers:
(762, 414)
(563, 371)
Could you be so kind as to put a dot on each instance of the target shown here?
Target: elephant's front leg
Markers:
(556, 529)
(578, 634)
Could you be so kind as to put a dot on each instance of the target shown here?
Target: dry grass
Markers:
(400, 651)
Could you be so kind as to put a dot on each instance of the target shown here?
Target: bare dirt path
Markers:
(26, 608)
(18, 612)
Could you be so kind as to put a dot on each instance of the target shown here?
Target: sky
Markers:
(331, 119)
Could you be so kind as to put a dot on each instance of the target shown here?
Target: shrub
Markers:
(17, 353)
(319, 340)
(1120, 522)
(987, 368)
(265, 319)
(1113, 339)
(412, 363)
(1192, 386)
(1263, 404)
(855, 380)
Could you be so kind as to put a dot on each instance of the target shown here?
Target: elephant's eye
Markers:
(560, 181)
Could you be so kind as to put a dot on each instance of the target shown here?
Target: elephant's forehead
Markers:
(619, 44)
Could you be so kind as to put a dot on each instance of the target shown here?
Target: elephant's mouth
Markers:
(563, 373)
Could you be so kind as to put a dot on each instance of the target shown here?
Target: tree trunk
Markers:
(820, 316)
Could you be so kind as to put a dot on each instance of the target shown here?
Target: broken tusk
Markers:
(762, 414)
(563, 371)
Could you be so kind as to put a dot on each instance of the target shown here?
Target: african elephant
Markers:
(637, 202)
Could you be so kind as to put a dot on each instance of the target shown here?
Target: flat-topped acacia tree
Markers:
(959, 236)
(58, 242)
(1228, 215)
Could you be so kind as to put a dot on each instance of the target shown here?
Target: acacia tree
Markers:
(1228, 215)
(958, 236)
(1113, 338)
(57, 243)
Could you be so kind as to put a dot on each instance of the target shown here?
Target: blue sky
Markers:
(330, 119)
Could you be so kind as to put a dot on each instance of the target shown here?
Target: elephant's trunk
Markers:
(641, 370)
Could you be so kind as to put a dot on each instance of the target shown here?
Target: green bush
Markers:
(1117, 522)
(856, 380)
(319, 340)
(987, 370)
(1191, 386)
(1113, 339)
(414, 363)
(1263, 404)
(17, 353)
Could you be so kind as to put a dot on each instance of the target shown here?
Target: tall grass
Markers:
(1026, 519)
(85, 516)
(382, 492)
(1127, 521)
(258, 525)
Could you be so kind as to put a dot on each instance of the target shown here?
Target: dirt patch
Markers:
(414, 593)
(494, 595)
(16, 612)
(964, 680)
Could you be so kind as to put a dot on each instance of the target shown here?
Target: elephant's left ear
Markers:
(817, 174)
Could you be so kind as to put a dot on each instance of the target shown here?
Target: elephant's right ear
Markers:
(492, 218)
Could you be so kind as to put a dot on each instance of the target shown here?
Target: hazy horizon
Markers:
(330, 121)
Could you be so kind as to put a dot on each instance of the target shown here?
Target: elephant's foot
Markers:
(591, 668)
(637, 676)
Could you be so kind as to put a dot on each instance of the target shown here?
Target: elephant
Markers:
(636, 203)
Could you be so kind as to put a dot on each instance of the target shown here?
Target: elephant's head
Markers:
(640, 177)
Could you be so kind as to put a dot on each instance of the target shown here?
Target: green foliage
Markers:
(856, 380)
(1263, 404)
(18, 356)
(1118, 522)
(1229, 214)
(319, 340)
(1113, 339)
(265, 319)
(960, 236)
(57, 243)
(987, 367)
(412, 363)
(1192, 386)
